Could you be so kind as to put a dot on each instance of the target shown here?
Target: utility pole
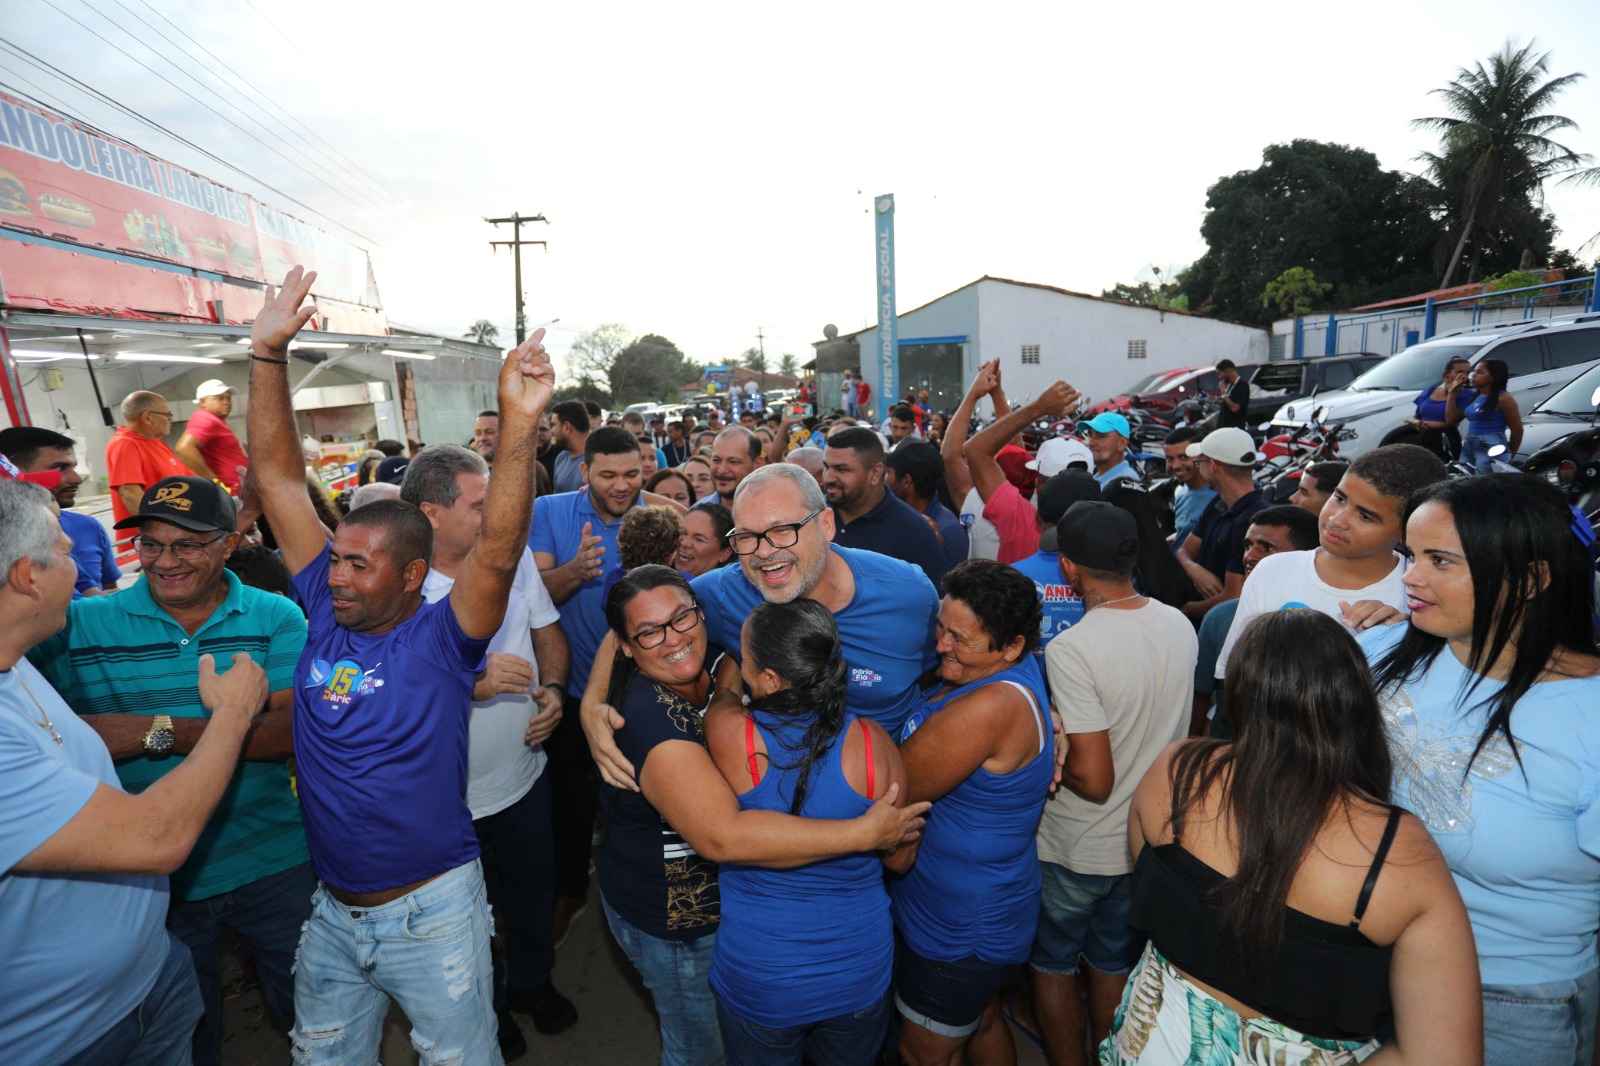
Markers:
(516, 220)
(761, 343)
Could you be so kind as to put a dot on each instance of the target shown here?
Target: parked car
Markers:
(1561, 438)
(1149, 383)
(1186, 384)
(1541, 356)
(1274, 384)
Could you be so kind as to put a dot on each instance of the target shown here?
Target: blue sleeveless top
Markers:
(974, 890)
(1485, 421)
(803, 945)
(1429, 410)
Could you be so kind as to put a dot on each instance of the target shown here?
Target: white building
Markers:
(1040, 333)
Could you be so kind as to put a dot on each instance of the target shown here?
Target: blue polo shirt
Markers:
(1221, 532)
(886, 630)
(557, 530)
(894, 529)
(91, 549)
(125, 654)
(1063, 608)
(954, 534)
(1122, 469)
(380, 743)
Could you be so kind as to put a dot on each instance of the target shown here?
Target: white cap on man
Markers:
(1059, 453)
(212, 387)
(1230, 446)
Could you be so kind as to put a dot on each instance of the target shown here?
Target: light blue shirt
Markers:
(557, 530)
(1187, 507)
(1122, 469)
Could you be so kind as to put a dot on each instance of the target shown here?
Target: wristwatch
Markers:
(158, 741)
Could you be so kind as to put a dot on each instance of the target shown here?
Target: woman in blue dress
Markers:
(1492, 415)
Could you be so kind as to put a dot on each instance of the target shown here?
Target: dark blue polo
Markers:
(1221, 534)
(894, 529)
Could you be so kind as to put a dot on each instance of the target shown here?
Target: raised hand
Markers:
(588, 561)
(282, 316)
(527, 379)
(1058, 399)
(987, 381)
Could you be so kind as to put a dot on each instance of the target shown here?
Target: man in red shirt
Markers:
(208, 446)
(137, 456)
(863, 396)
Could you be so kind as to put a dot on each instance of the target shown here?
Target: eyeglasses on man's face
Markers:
(187, 550)
(786, 535)
(682, 622)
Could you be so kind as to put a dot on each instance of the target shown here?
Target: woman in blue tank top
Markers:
(980, 749)
(1430, 428)
(1492, 415)
(803, 957)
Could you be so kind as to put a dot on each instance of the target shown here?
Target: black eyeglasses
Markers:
(188, 550)
(682, 622)
(784, 536)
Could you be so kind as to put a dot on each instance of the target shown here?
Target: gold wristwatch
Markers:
(158, 741)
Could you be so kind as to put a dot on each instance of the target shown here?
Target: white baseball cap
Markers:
(213, 387)
(1058, 453)
(1231, 446)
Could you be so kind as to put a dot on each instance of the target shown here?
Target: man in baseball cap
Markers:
(1235, 447)
(392, 470)
(1108, 441)
(208, 446)
(1060, 453)
(1213, 555)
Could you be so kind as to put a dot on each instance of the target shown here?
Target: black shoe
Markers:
(513, 1045)
(551, 1012)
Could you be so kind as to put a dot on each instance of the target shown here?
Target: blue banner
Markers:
(888, 354)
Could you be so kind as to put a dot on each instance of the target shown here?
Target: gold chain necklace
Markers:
(47, 725)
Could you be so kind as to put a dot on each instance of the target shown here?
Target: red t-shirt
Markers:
(863, 392)
(1015, 519)
(135, 460)
(218, 447)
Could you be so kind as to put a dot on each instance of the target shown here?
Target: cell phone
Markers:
(799, 410)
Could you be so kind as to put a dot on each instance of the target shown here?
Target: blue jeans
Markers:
(677, 974)
(1475, 453)
(268, 915)
(1541, 1025)
(159, 1031)
(848, 1040)
(428, 951)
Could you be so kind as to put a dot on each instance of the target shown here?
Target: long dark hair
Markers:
(799, 642)
(1156, 572)
(1499, 378)
(1309, 738)
(639, 579)
(1514, 529)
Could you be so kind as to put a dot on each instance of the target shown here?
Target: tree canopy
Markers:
(482, 331)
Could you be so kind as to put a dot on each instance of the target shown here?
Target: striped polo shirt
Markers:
(123, 654)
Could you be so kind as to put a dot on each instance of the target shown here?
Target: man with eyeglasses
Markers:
(129, 665)
(137, 455)
(783, 535)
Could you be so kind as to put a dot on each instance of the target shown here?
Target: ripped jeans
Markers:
(428, 951)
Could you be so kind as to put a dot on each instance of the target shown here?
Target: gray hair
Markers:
(808, 457)
(372, 492)
(137, 403)
(798, 476)
(28, 528)
(431, 477)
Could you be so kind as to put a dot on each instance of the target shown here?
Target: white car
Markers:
(1541, 356)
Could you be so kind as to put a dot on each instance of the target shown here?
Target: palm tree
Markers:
(788, 364)
(1495, 145)
(483, 331)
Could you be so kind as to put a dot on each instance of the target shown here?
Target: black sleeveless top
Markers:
(1329, 981)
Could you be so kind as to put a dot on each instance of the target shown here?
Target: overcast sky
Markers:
(708, 169)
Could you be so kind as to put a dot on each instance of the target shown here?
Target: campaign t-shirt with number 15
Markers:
(380, 740)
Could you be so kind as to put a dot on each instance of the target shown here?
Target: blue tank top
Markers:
(1485, 421)
(1430, 410)
(804, 945)
(974, 890)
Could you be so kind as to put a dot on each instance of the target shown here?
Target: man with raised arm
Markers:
(382, 698)
(1013, 516)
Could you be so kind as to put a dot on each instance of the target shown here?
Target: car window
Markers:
(1206, 382)
(1521, 356)
(1416, 368)
(1277, 377)
(1337, 375)
(1577, 396)
(1573, 346)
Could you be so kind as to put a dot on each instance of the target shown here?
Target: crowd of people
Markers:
(900, 740)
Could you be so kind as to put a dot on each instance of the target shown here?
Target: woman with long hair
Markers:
(979, 747)
(1492, 416)
(1490, 693)
(803, 956)
(658, 875)
(1431, 428)
(1293, 912)
(1157, 573)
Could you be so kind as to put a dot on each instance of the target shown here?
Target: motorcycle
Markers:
(1572, 464)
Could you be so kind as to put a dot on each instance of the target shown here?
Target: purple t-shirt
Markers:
(380, 742)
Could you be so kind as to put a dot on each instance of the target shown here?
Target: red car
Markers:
(1150, 384)
(1186, 384)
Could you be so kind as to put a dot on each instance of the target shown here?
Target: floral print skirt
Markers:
(1165, 1020)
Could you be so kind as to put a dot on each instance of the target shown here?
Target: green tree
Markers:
(1142, 293)
(482, 332)
(1295, 291)
(652, 369)
(754, 359)
(788, 364)
(593, 354)
(1330, 208)
(1496, 147)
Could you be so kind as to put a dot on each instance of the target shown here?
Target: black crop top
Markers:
(1330, 981)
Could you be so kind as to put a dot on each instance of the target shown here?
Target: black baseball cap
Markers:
(1099, 535)
(191, 503)
(1059, 493)
(392, 469)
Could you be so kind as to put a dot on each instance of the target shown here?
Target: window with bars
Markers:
(1136, 349)
(1030, 354)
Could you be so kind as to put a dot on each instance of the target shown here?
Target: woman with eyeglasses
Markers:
(658, 874)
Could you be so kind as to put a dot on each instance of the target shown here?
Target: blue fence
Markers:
(1395, 329)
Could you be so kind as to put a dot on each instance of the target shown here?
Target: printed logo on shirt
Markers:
(343, 680)
(911, 725)
(1055, 593)
(860, 675)
(1295, 605)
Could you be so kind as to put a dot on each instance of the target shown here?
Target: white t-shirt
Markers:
(500, 767)
(1289, 580)
(983, 540)
(1130, 673)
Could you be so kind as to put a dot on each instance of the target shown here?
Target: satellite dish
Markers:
(830, 331)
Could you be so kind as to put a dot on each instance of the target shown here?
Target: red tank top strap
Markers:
(750, 752)
(866, 738)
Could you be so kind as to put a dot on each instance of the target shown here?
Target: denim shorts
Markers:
(1549, 1024)
(1085, 917)
(945, 998)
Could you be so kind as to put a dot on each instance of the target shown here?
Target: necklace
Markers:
(1108, 603)
(47, 725)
